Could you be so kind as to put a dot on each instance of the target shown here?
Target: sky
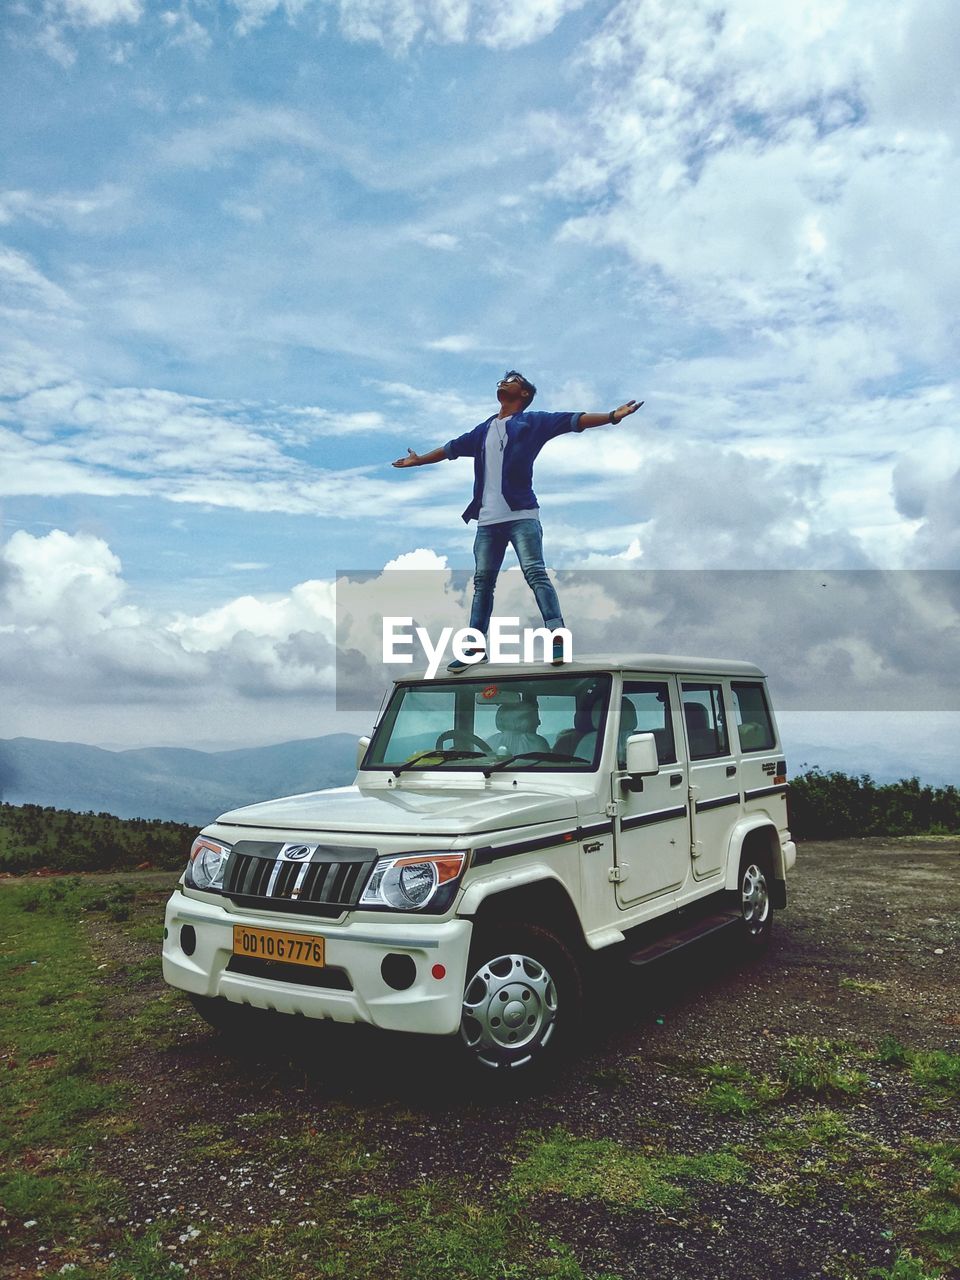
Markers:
(251, 251)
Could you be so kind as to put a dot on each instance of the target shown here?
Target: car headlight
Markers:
(413, 881)
(208, 858)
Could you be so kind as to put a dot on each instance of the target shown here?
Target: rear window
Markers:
(754, 726)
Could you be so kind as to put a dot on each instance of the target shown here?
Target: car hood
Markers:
(405, 811)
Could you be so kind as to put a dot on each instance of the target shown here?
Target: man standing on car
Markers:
(504, 505)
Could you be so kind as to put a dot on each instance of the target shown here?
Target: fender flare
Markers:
(744, 828)
(504, 881)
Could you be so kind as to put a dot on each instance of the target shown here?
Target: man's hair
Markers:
(527, 385)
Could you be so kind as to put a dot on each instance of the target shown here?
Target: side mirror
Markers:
(642, 754)
(362, 750)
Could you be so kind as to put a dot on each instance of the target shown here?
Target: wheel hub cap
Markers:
(509, 1010)
(754, 899)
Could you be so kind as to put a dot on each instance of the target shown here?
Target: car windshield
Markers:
(519, 722)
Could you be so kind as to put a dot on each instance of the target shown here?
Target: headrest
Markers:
(695, 714)
(517, 717)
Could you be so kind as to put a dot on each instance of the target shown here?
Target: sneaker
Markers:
(457, 665)
(557, 658)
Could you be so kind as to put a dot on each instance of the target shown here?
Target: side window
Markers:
(754, 726)
(645, 708)
(705, 720)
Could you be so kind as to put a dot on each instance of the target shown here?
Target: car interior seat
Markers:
(517, 724)
(702, 739)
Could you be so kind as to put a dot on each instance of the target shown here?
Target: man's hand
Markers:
(624, 410)
(421, 459)
(614, 416)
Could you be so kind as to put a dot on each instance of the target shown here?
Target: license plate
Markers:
(272, 944)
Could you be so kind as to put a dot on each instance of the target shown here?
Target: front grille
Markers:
(326, 882)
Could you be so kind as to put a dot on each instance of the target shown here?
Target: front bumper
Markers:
(430, 1005)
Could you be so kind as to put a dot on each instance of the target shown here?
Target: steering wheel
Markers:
(458, 738)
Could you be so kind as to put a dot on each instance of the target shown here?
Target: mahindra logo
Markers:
(296, 852)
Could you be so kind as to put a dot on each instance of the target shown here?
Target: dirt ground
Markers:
(867, 949)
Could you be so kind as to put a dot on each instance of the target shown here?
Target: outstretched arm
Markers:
(420, 459)
(610, 419)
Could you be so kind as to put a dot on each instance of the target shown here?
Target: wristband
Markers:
(613, 418)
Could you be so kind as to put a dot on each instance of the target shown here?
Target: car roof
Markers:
(643, 663)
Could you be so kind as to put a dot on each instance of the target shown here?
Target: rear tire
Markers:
(523, 999)
(756, 904)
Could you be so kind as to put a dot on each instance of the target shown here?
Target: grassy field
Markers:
(135, 1144)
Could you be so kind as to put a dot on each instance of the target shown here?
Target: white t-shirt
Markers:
(493, 505)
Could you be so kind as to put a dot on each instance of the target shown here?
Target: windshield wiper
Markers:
(445, 753)
(537, 755)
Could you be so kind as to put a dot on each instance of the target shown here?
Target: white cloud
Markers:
(325, 422)
(746, 168)
(26, 285)
(421, 558)
(186, 30)
(457, 343)
(68, 636)
(101, 13)
(398, 23)
(60, 207)
(68, 437)
(243, 211)
(245, 128)
(436, 240)
(73, 580)
(77, 659)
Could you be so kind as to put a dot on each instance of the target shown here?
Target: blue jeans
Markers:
(490, 546)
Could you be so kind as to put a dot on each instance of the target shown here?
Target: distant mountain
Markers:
(933, 767)
(169, 782)
(196, 786)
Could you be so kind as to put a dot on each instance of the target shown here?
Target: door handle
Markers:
(731, 770)
(676, 779)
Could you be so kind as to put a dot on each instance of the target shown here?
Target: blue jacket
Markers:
(526, 434)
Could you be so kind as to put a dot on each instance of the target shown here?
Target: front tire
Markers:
(523, 999)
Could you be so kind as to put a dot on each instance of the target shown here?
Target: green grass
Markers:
(734, 1091)
(58, 1097)
(76, 1028)
(891, 1053)
(806, 1152)
(428, 1232)
(818, 1068)
(862, 986)
(906, 1267)
(938, 1205)
(600, 1168)
(937, 1071)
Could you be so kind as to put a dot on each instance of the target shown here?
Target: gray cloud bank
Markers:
(857, 640)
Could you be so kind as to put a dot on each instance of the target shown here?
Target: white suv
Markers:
(505, 826)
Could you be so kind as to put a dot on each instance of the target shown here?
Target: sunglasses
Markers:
(510, 382)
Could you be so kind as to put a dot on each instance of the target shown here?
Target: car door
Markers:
(651, 829)
(714, 785)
